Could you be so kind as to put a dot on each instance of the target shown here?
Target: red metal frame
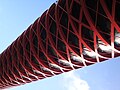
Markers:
(69, 35)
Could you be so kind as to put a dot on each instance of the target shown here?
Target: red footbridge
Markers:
(71, 34)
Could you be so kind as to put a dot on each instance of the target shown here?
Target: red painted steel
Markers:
(71, 34)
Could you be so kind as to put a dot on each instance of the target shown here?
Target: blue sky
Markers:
(17, 15)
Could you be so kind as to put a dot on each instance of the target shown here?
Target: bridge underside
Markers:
(71, 34)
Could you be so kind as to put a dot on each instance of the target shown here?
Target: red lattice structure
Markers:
(71, 34)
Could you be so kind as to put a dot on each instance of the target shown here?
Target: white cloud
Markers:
(73, 82)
